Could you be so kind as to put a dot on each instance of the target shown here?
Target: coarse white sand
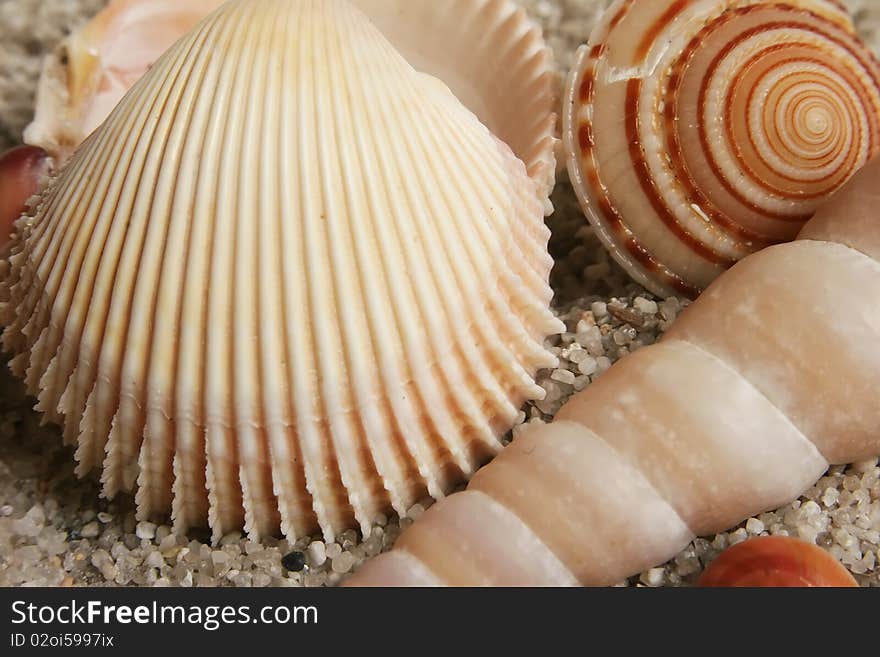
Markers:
(55, 530)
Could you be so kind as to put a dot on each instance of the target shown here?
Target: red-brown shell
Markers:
(776, 561)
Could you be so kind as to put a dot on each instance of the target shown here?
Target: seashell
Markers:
(22, 169)
(271, 294)
(490, 54)
(723, 419)
(93, 68)
(700, 132)
(776, 561)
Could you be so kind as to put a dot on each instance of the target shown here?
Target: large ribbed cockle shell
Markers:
(291, 283)
(700, 132)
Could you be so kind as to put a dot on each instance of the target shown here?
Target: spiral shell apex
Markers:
(290, 283)
(700, 132)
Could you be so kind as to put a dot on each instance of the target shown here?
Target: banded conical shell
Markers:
(700, 132)
(489, 52)
(289, 282)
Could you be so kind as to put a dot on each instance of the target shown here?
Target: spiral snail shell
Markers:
(700, 132)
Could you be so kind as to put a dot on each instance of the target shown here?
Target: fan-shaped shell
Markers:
(289, 282)
(490, 54)
(93, 68)
(700, 132)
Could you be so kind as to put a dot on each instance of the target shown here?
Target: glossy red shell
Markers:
(21, 170)
(776, 561)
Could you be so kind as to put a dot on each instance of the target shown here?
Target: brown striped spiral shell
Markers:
(699, 132)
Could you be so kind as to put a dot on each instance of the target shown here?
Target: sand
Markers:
(55, 530)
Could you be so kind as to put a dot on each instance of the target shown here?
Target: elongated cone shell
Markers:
(766, 380)
(700, 132)
(489, 53)
(290, 282)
